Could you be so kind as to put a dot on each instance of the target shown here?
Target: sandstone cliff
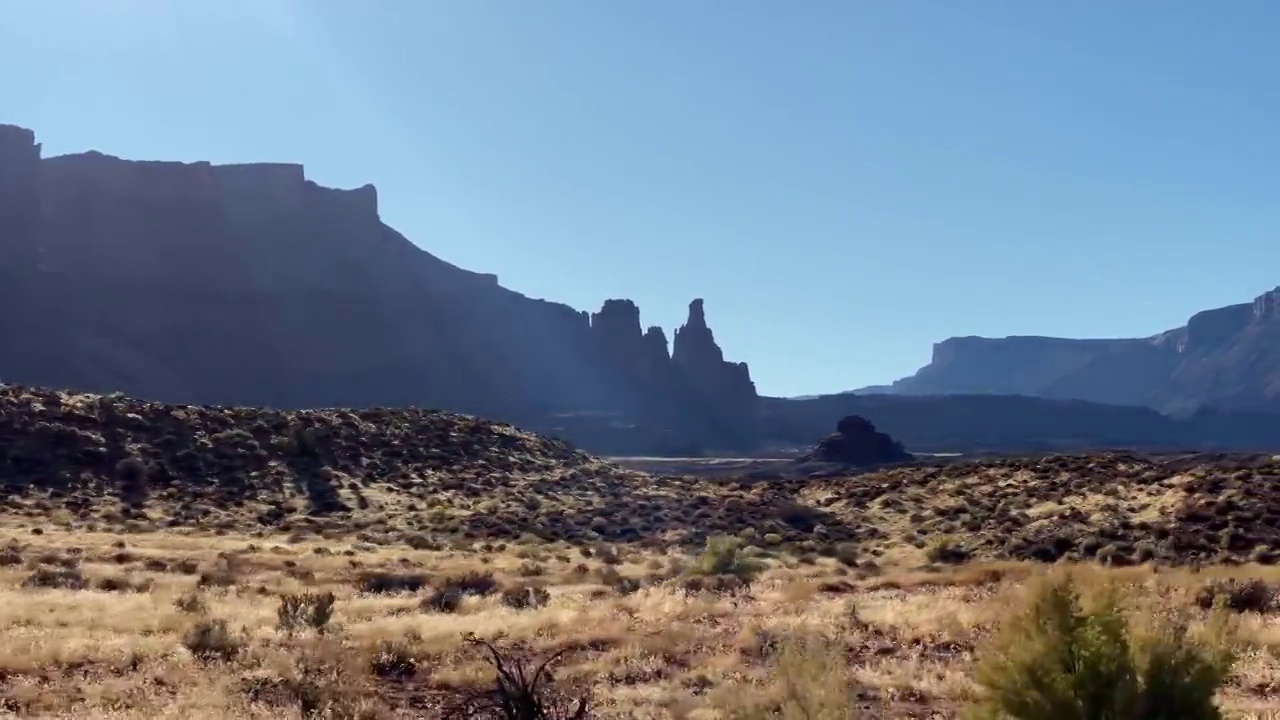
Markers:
(1227, 358)
(252, 285)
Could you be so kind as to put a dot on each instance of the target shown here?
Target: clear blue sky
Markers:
(844, 182)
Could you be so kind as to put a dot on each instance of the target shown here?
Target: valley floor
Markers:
(132, 632)
(167, 562)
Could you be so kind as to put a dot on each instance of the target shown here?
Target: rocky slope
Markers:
(194, 460)
(1227, 358)
(251, 285)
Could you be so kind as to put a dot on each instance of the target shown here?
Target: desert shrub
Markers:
(722, 556)
(393, 659)
(808, 680)
(421, 541)
(324, 682)
(1090, 546)
(56, 578)
(522, 689)
(1144, 552)
(10, 555)
(447, 598)
(475, 583)
(121, 583)
(1238, 595)
(386, 583)
(212, 640)
(846, 553)
(525, 598)
(722, 584)
(625, 585)
(56, 560)
(191, 603)
(1067, 657)
(225, 573)
(609, 575)
(305, 610)
(531, 569)
(801, 517)
(1108, 553)
(443, 600)
(132, 472)
(608, 554)
(946, 549)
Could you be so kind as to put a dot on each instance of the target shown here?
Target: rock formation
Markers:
(857, 442)
(252, 285)
(1227, 357)
(713, 381)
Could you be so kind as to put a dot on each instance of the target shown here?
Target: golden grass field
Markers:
(902, 640)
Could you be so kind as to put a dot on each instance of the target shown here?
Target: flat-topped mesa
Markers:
(618, 322)
(19, 163)
(28, 181)
(1267, 305)
(18, 143)
(281, 186)
(1213, 327)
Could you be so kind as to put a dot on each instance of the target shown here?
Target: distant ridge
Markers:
(1227, 358)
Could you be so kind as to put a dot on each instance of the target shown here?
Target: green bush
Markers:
(722, 556)
(1067, 657)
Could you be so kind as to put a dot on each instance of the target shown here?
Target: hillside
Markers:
(112, 458)
(1227, 358)
(250, 285)
(409, 476)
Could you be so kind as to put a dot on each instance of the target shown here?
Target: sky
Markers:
(844, 182)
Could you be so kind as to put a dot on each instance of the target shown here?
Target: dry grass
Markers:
(899, 643)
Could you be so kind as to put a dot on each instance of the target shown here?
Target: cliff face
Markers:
(251, 285)
(1227, 357)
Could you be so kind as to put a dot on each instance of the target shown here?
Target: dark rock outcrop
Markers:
(250, 285)
(712, 380)
(1227, 357)
(857, 442)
